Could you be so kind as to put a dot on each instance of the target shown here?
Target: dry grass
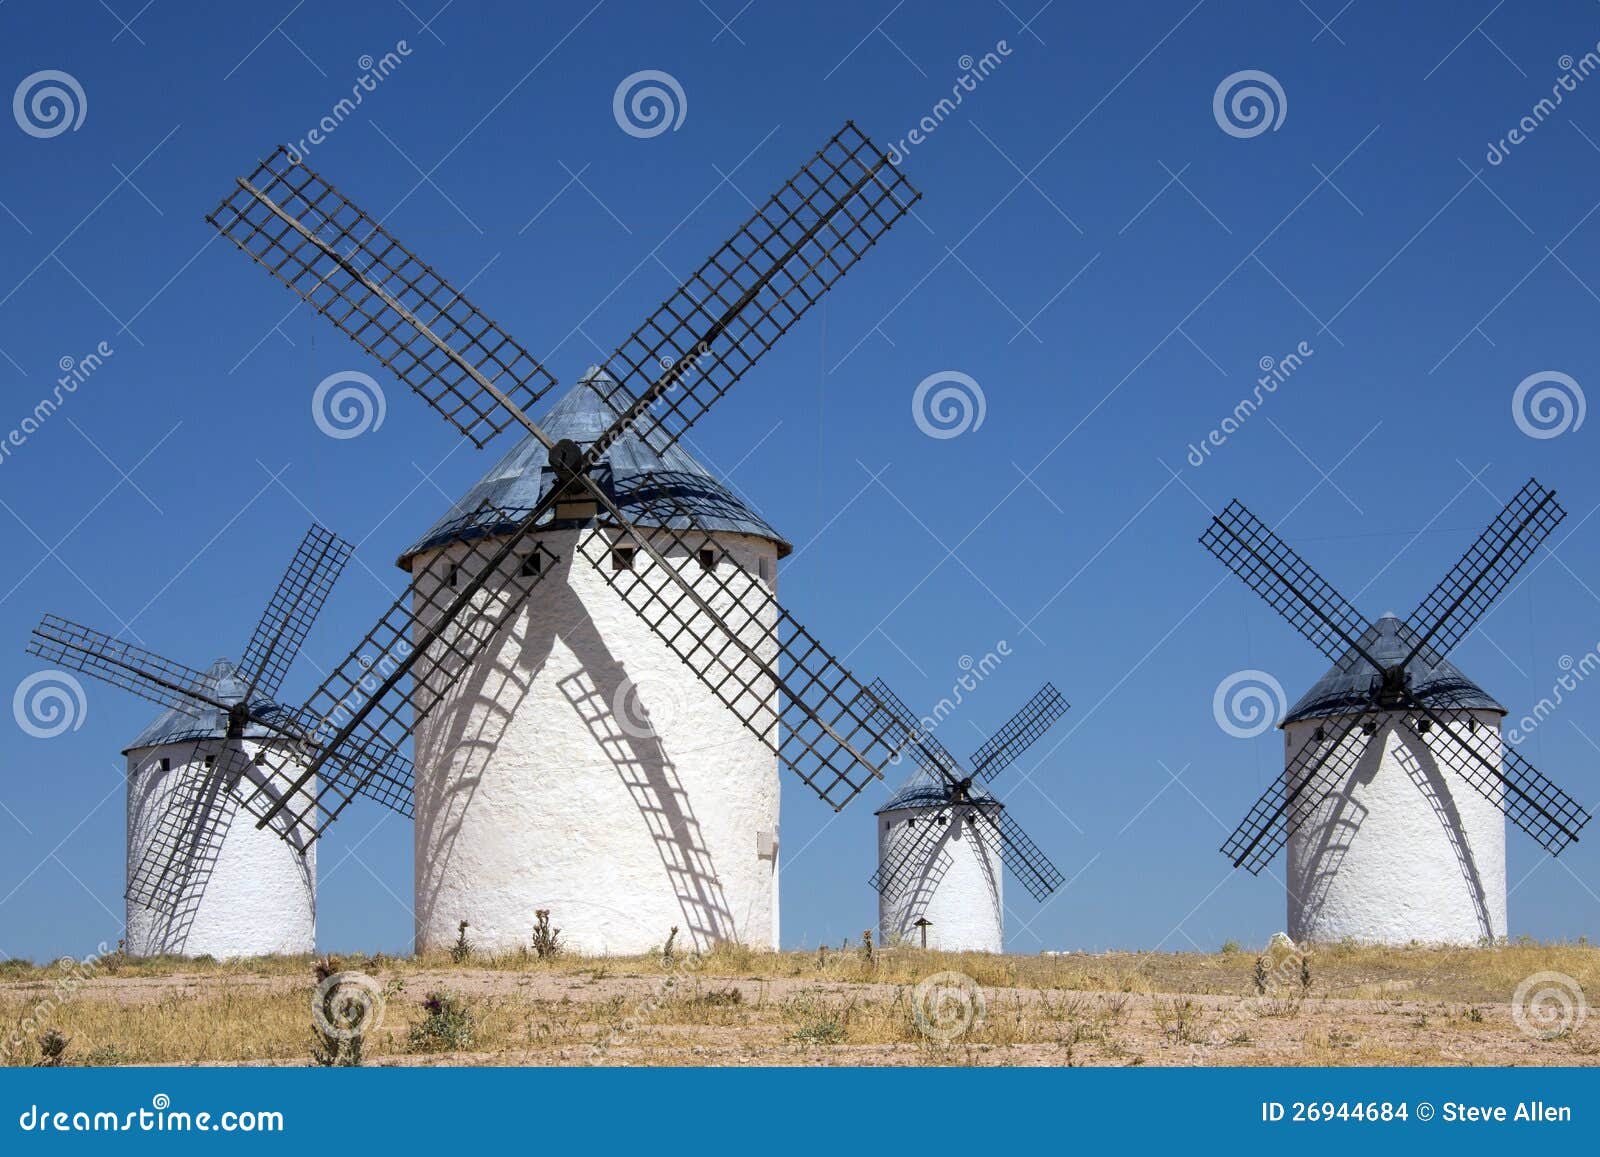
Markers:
(736, 1006)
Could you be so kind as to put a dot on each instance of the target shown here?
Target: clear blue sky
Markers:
(1093, 249)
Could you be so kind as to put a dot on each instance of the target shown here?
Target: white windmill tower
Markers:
(942, 838)
(198, 882)
(1385, 846)
(579, 767)
(589, 654)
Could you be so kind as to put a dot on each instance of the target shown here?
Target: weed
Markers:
(53, 1048)
(546, 940)
(461, 950)
(1180, 1019)
(666, 949)
(447, 1025)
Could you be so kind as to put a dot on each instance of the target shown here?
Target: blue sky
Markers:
(1093, 250)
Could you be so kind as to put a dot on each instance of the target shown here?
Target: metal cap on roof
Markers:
(519, 480)
(1344, 690)
(926, 789)
(221, 682)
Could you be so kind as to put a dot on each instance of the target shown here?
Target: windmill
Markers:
(515, 700)
(198, 883)
(1383, 845)
(942, 836)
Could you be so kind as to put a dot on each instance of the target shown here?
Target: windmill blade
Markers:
(726, 628)
(183, 849)
(1314, 771)
(367, 707)
(309, 236)
(145, 673)
(294, 607)
(1022, 856)
(1249, 547)
(910, 854)
(1529, 799)
(900, 725)
(1020, 732)
(1464, 595)
(702, 339)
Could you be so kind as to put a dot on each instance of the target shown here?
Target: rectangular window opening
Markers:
(708, 558)
(530, 566)
(622, 558)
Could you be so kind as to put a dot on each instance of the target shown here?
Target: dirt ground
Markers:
(1340, 1005)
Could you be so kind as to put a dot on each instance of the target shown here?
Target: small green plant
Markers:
(1230, 947)
(546, 940)
(820, 1030)
(105, 1055)
(719, 997)
(1305, 975)
(461, 950)
(53, 1048)
(667, 956)
(866, 945)
(1475, 1015)
(1180, 1019)
(447, 1024)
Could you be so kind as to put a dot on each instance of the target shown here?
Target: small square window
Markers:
(455, 577)
(261, 759)
(211, 761)
(622, 558)
(164, 764)
(708, 558)
(764, 569)
(530, 566)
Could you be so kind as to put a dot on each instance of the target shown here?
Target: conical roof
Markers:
(1344, 690)
(518, 481)
(223, 683)
(924, 788)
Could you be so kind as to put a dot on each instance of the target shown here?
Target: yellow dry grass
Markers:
(1366, 1006)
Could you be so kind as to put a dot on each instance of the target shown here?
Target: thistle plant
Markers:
(547, 940)
(461, 950)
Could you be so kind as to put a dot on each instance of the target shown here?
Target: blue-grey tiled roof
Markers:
(928, 789)
(222, 682)
(517, 482)
(1344, 689)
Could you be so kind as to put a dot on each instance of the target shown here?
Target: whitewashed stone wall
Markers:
(533, 790)
(250, 892)
(959, 893)
(1403, 850)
